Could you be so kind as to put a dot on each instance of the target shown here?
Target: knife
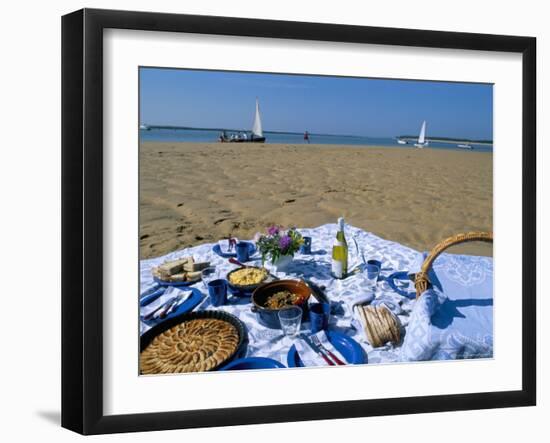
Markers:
(182, 298)
(317, 350)
(164, 305)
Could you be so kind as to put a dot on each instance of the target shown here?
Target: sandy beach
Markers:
(193, 193)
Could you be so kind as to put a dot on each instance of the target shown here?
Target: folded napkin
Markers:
(224, 245)
(359, 300)
(420, 342)
(309, 357)
(170, 292)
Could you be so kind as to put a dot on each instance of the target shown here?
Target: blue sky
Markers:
(330, 105)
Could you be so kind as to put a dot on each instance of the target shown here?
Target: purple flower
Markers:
(284, 242)
(273, 230)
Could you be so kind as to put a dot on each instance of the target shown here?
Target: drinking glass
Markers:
(291, 319)
(242, 251)
(209, 274)
(319, 316)
(224, 246)
(371, 273)
(217, 290)
(306, 247)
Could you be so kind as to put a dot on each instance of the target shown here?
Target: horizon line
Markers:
(438, 137)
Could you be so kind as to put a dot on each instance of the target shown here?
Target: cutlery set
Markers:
(316, 346)
(166, 308)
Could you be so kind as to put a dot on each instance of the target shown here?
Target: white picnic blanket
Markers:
(396, 293)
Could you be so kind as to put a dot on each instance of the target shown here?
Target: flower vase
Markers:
(282, 263)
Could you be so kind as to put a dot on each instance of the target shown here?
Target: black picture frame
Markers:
(82, 218)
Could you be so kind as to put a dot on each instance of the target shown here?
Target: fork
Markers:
(318, 343)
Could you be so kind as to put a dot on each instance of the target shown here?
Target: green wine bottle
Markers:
(340, 253)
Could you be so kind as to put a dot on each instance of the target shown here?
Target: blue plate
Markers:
(188, 305)
(347, 346)
(252, 363)
(175, 283)
(251, 251)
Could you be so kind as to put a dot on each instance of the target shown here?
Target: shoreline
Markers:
(195, 192)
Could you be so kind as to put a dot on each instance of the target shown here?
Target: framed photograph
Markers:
(269, 221)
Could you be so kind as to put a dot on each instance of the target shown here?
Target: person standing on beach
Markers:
(306, 136)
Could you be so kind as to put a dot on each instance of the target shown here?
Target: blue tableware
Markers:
(151, 295)
(242, 251)
(319, 314)
(174, 283)
(347, 346)
(252, 363)
(270, 317)
(217, 290)
(375, 262)
(306, 247)
(405, 287)
(188, 305)
(217, 250)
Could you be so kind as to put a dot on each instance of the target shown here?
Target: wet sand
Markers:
(193, 193)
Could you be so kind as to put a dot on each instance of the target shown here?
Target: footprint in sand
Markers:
(290, 200)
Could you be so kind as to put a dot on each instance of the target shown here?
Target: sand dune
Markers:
(192, 193)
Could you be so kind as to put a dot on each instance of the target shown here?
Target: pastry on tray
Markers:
(192, 346)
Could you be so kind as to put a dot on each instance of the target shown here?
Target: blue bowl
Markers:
(252, 363)
(251, 251)
(351, 350)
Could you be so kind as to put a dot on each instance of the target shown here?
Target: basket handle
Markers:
(421, 280)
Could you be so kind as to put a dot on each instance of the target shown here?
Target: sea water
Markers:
(211, 136)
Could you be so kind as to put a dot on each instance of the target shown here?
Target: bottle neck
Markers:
(340, 237)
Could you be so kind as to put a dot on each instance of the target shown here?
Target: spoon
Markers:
(236, 262)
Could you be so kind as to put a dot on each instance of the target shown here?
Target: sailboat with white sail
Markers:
(256, 134)
(422, 137)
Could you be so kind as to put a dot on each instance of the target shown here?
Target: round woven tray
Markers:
(421, 280)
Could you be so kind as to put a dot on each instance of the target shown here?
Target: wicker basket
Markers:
(421, 281)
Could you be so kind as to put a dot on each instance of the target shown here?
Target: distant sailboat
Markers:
(257, 132)
(422, 137)
(465, 146)
(402, 141)
(256, 135)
